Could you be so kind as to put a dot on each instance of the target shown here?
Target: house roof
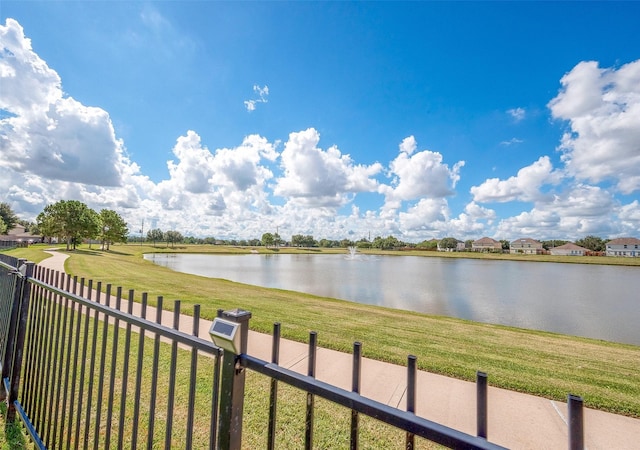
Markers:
(570, 246)
(525, 241)
(17, 230)
(624, 241)
(17, 233)
(486, 241)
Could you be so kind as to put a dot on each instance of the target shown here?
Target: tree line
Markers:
(72, 221)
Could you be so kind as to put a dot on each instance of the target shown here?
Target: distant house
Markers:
(18, 237)
(569, 249)
(486, 244)
(527, 246)
(629, 247)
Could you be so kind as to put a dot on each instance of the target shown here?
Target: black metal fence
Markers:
(81, 370)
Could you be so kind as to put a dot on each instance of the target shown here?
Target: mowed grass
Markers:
(606, 375)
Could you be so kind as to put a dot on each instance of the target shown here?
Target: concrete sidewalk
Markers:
(516, 420)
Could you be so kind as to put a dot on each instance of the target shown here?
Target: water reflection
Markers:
(577, 299)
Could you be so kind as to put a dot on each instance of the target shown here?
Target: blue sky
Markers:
(337, 119)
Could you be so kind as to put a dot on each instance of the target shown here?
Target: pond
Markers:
(595, 301)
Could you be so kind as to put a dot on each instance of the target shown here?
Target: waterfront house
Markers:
(527, 246)
(569, 249)
(486, 244)
(629, 247)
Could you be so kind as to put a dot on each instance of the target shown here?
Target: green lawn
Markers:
(606, 375)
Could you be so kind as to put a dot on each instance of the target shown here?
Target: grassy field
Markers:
(606, 375)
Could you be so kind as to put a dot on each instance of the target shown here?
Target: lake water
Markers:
(596, 301)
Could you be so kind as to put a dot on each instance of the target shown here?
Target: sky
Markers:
(417, 120)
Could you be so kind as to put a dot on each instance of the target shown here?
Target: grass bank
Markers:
(606, 375)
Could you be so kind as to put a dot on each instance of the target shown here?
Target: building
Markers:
(569, 249)
(486, 244)
(526, 246)
(18, 237)
(629, 247)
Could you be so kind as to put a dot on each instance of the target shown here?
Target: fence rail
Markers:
(82, 371)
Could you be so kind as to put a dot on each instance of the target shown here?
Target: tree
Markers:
(506, 245)
(593, 243)
(345, 243)
(70, 220)
(298, 240)
(3, 227)
(8, 217)
(547, 245)
(113, 228)
(391, 242)
(431, 244)
(448, 243)
(173, 237)
(93, 225)
(385, 243)
(29, 227)
(155, 235)
(267, 239)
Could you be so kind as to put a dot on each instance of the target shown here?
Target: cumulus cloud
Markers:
(316, 177)
(262, 93)
(578, 211)
(418, 175)
(525, 186)
(228, 177)
(46, 133)
(602, 107)
(427, 215)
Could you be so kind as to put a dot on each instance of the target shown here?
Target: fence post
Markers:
(11, 333)
(356, 378)
(232, 386)
(412, 371)
(576, 431)
(18, 346)
(481, 404)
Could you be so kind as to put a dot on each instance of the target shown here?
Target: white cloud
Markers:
(315, 177)
(575, 213)
(226, 179)
(631, 213)
(517, 114)
(603, 110)
(427, 215)
(408, 145)
(262, 92)
(418, 175)
(48, 134)
(512, 141)
(525, 186)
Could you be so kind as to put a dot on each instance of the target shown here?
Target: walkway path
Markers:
(516, 420)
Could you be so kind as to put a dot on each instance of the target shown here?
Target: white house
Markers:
(629, 247)
(569, 249)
